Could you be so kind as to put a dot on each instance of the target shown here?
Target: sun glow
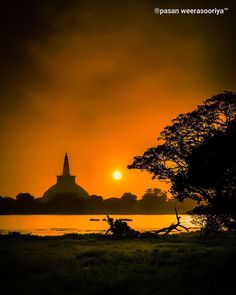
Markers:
(117, 175)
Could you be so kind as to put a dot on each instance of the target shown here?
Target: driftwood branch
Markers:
(110, 221)
(120, 228)
(167, 230)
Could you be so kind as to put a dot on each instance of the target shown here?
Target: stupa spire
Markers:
(66, 167)
(65, 186)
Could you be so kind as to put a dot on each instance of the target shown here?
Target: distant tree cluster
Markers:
(196, 155)
(154, 201)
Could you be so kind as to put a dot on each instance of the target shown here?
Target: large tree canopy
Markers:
(196, 153)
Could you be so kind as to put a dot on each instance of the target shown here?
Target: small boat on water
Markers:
(121, 219)
(94, 219)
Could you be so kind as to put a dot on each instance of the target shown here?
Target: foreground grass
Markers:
(93, 264)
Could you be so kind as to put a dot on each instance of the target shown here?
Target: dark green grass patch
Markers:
(93, 264)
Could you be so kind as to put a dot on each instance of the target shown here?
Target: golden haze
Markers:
(101, 86)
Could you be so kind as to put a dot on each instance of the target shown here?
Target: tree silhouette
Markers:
(129, 201)
(153, 200)
(212, 167)
(196, 152)
(25, 203)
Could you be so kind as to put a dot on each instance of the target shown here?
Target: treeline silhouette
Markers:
(154, 201)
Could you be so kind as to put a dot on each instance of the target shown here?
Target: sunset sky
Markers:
(100, 79)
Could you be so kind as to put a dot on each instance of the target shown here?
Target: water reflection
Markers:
(62, 224)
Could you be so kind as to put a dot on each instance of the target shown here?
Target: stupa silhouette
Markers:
(65, 185)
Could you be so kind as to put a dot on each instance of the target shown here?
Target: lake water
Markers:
(56, 225)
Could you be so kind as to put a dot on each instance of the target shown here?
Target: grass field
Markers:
(93, 264)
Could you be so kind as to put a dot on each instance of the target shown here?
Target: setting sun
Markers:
(117, 175)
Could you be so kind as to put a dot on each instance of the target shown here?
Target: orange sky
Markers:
(101, 84)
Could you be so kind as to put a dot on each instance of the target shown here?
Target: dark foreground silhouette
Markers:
(119, 228)
(196, 155)
(97, 264)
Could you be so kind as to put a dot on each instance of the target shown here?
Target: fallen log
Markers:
(175, 226)
(120, 228)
